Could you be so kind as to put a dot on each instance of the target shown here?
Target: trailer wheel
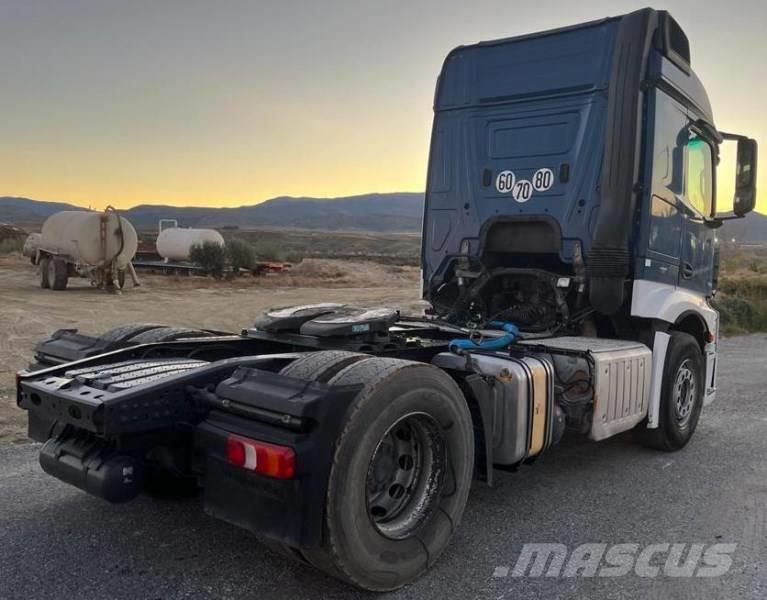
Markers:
(681, 395)
(58, 273)
(400, 477)
(321, 366)
(45, 283)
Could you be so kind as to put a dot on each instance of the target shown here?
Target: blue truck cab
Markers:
(571, 185)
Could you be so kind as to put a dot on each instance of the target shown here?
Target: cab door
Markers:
(697, 204)
(658, 250)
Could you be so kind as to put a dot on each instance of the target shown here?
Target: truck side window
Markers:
(700, 176)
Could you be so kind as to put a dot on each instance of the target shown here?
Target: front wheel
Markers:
(681, 395)
(401, 474)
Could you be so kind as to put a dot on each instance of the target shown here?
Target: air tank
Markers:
(175, 243)
(77, 234)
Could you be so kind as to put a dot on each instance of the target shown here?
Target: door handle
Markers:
(687, 271)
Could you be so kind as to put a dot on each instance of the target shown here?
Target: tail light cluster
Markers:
(261, 457)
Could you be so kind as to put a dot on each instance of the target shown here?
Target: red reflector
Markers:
(268, 459)
(235, 451)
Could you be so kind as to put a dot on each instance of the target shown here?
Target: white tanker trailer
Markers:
(31, 246)
(89, 244)
(175, 243)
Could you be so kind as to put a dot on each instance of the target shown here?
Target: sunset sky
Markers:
(225, 103)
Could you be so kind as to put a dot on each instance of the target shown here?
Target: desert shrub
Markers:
(267, 250)
(742, 304)
(209, 256)
(240, 254)
(11, 245)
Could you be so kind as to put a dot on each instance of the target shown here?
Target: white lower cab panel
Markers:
(710, 374)
(659, 350)
(668, 303)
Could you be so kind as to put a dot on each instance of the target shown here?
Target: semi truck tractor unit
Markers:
(568, 259)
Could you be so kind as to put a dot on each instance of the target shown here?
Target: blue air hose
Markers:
(459, 345)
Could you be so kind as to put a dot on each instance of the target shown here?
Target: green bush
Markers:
(240, 254)
(209, 256)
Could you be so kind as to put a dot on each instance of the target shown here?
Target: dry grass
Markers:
(313, 272)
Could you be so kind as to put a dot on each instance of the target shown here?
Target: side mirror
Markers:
(745, 175)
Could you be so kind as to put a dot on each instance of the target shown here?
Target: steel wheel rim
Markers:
(685, 389)
(405, 475)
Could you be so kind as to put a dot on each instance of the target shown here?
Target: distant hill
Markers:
(751, 229)
(380, 213)
(23, 211)
(370, 212)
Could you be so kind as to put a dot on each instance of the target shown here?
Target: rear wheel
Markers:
(321, 366)
(126, 332)
(44, 281)
(681, 395)
(167, 334)
(400, 476)
(58, 273)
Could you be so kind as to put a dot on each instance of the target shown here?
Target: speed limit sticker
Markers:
(523, 190)
(504, 183)
(543, 179)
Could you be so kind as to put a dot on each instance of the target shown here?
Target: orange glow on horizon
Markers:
(202, 104)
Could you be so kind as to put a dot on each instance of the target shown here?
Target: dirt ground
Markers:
(29, 313)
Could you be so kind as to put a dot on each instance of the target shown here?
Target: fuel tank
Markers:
(516, 399)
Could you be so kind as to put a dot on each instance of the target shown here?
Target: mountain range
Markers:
(379, 213)
(399, 212)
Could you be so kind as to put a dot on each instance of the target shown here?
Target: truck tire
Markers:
(58, 273)
(125, 332)
(681, 398)
(321, 366)
(400, 477)
(44, 281)
(167, 334)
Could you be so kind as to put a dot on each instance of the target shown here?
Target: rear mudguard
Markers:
(288, 510)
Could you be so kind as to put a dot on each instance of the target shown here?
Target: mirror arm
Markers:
(716, 222)
(735, 137)
(710, 131)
